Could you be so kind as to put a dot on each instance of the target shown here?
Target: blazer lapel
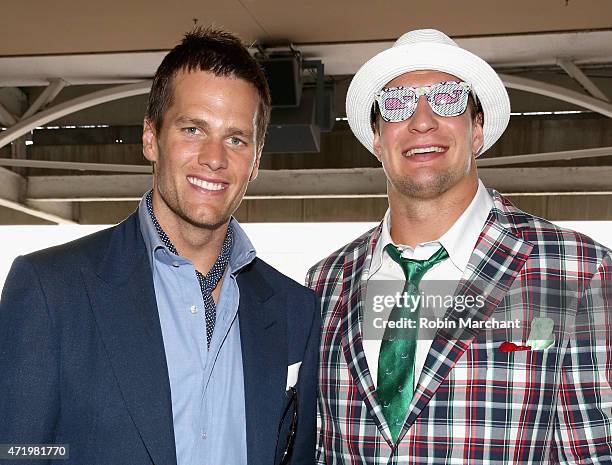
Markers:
(498, 257)
(123, 302)
(263, 337)
(353, 291)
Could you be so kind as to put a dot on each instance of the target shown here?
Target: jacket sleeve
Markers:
(583, 424)
(320, 429)
(320, 453)
(29, 361)
(305, 441)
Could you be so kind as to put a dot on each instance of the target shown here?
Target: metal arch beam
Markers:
(47, 96)
(13, 188)
(556, 92)
(53, 218)
(71, 106)
(6, 117)
(578, 75)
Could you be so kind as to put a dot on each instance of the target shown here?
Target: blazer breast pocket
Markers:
(488, 363)
(523, 369)
(513, 382)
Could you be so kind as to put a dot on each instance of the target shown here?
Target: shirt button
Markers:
(204, 434)
(193, 309)
(175, 264)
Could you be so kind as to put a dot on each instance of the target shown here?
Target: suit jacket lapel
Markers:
(498, 257)
(353, 292)
(123, 302)
(263, 337)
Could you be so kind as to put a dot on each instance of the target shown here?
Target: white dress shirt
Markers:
(459, 242)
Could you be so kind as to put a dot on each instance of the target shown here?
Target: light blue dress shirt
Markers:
(207, 386)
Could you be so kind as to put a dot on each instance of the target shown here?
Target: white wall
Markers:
(291, 247)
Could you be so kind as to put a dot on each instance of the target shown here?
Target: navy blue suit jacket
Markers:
(82, 360)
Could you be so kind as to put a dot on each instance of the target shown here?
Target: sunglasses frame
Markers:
(420, 91)
(293, 402)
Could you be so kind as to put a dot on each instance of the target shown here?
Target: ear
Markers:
(255, 169)
(376, 143)
(477, 134)
(149, 141)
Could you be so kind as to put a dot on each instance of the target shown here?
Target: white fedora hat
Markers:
(427, 49)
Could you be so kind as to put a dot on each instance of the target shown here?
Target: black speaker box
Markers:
(284, 74)
(295, 130)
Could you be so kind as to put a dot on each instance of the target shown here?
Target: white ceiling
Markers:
(32, 27)
(583, 48)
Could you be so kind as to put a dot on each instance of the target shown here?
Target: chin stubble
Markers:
(173, 203)
(432, 187)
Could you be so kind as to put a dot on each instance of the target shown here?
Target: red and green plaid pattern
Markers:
(475, 404)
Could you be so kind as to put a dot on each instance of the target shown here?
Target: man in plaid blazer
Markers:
(538, 392)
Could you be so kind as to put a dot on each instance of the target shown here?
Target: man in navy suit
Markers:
(165, 340)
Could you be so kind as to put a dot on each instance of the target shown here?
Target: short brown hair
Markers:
(215, 51)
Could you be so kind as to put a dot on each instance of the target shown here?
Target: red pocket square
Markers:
(512, 347)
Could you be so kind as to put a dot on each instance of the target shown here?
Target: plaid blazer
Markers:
(474, 403)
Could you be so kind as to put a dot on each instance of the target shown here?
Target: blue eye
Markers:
(236, 141)
(191, 131)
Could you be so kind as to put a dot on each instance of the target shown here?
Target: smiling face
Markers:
(428, 155)
(205, 152)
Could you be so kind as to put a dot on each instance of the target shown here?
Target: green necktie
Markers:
(397, 351)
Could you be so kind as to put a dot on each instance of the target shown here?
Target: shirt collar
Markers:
(243, 251)
(151, 239)
(242, 254)
(459, 240)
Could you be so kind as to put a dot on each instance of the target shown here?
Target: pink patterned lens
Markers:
(445, 99)
(393, 103)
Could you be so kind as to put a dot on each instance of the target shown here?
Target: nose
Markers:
(423, 119)
(212, 154)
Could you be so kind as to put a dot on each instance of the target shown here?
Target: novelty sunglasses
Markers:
(445, 99)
